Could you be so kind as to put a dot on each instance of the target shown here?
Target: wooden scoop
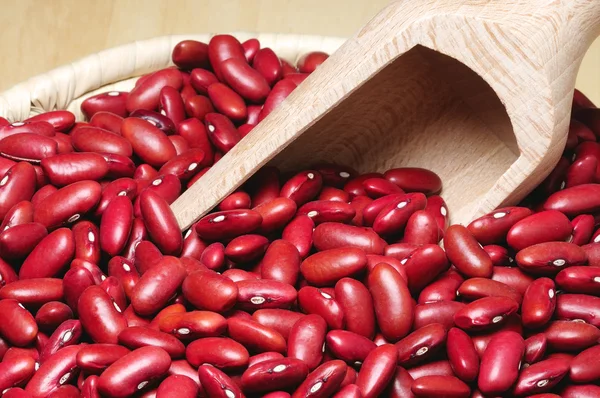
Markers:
(478, 92)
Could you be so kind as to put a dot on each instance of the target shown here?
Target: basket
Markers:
(118, 68)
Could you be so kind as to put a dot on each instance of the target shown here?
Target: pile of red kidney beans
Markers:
(317, 283)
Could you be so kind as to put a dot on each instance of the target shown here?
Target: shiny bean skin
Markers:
(535, 348)
(87, 241)
(107, 121)
(580, 279)
(571, 336)
(157, 285)
(68, 204)
(281, 262)
(462, 355)
(440, 386)
(138, 336)
(578, 306)
(52, 314)
(256, 337)
(421, 229)
(394, 216)
(539, 303)
(193, 324)
(54, 252)
(245, 80)
(443, 288)
(134, 371)
(146, 256)
(157, 119)
(94, 139)
(264, 293)
(580, 391)
(56, 371)
(20, 213)
(333, 235)
(308, 62)
(327, 211)
(481, 340)
(545, 226)
(18, 241)
(476, 288)
(146, 94)
(400, 385)
(280, 91)
(423, 265)
(421, 344)
(221, 48)
(349, 391)
(210, 291)
(549, 258)
(377, 370)
(306, 340)
(493, 227)
(177, 385)
(34, 292)
(316, 301)
(115, 225)
(303, 187)
(268, 65)
(280, 320)
(217, 384)
(246, 248)
(513, 277)
(160, 222)
(500, 363)
(67, 168)
(221, 352)
(392, 302)
(99, 316)
(466, 254)
(323, 381)
(94, 358)
(327, 267)
(18, 184)
(575, 200)
(541, 376)
(584, 367)
(277, 374)
(299, 232)
(17, 325)
(75, 281)
(112, 101)
(437, 312)
(225, 225)
(485, 312)
(348, 346)
(28, 147)
(190, 54)
(148, 142)
(16, 371)
(67, 334)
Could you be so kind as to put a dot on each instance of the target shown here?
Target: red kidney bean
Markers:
(33, 292)
(52, 314)
(413, 179)
(6, 164)
(263, 293)
(583, 367)
(107, 121)
(246, 81)
(200, 79)
(40, 195)
(228, 224)
(124, 271)
(306, 340)
(276, 213)
(268, 65)
(574, 200)
(89, 389)
(156, 119)
(160, 222)
(120, 187)
(485, 312)
(171, 104)
(146, 94)
(17, 185)
(349, 391)
(132, 372)
(99, 315)
(64, 143)
(187, 164)
(16, 392)
(310, 61)
(94, 139)
(255, 337)
(67, 168)
(335, 194)
(75, 281)
(265, 356)
(193, 246)
(581, 171)
(499, 255)
(302, 187)
(210, 291)
(227, 102)
(466, 254)
(374, 259)
(237, 200)
(535, 348)
(60, 120)
(20, 213)
(581, 279)
(436, 312)
(246, 248)
(54, 252)
(440, 386)
(513, 277)
(286, 373)
(393, 216)
(177, 385)
(56, 371)
(592, 251)
(7, 273)
(578, 306)
(278, 319)
(444, 288)
(377, 370)
(221, 48)
(182, 367)
(332, 235)
(222, 352)
(476, 288)
(198, 107)
(15, 352)
(493, 227)
(112, 101)
(378, 187)
(392, 302)
(315, 301)
(571, 336)
(580, 391)
(189, 54)
(28, 147)
(148, 142)
(213, 256)
(299, 232)
(18, 241)
(545, 226)
(423, 265)
(281, 262)
(539, 303)
(541, 377)
(500, 363)
(68, 204)
(157, 285)
(16, 371)
(180, 144)
(194, 324)
(87, 241)
(462, 355)
(139, 336)
(168, 310)
(421, 229)
(329, 266)
(348, 346)
(251, 47)
(146, 256)
(421, 344)
(328, 211)
(29, 127)
(67, 334)
(217, 384)
(549, 258)
(116, 225)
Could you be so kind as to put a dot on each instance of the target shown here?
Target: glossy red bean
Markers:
(303, 187)
(160, 222)
(20, 213)
(571, 336)
(228, 224)
(278, 319)
(281, 262)
(217, 384)
(466, 254)
(193, 324)
(246, 81)
(462, 355)
(33, 292)
(157, 285)
(60, 120)
(299, 232)
(437, 312)
(75, 281)
(500, 363)
(268, 65)
(578, 307)
(541, 377)
(28, 147)
(580, 391)
(348, 346)
(332, 235)
(377, 370)
(99, 316)
(423, 265)
(378, 187)
(146, 94)
(316, 301)
(68, 204)
(189, 54)
(56, 371)
(52, 314)
(392, 302)
(156, 119)
(329, 266)
(221, 352)
(50, 256)
(67, 168)
(513, 277)
(221, 48)
(255, 337)
(134, 371)
(148, 142)
(277, 374)
(539, 303)
(251, 47)
(485, 312)
(308, 62)
(139, 336)
(535, 348)
(177, 385)
(574, 200)
(440, 386)
(17, 185)
(583, 368)
(263, 293)
(549, 258)
(112, 101)
(493, 227)
(17, 325)
(246, 248)
(16, 371)
(87, 241)
(421, 344)
(67, 334)
(227, 102)
(209, 290)
(393, 216)
(18, 241)
(116, 224)
(306, 340)
(413, 179)
(545, 226)
(476, 288)
(94, 139)
(107, 121)
(444, 288)
(581, 279)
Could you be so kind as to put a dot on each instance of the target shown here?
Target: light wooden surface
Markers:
(386, 99)
(38, 35)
